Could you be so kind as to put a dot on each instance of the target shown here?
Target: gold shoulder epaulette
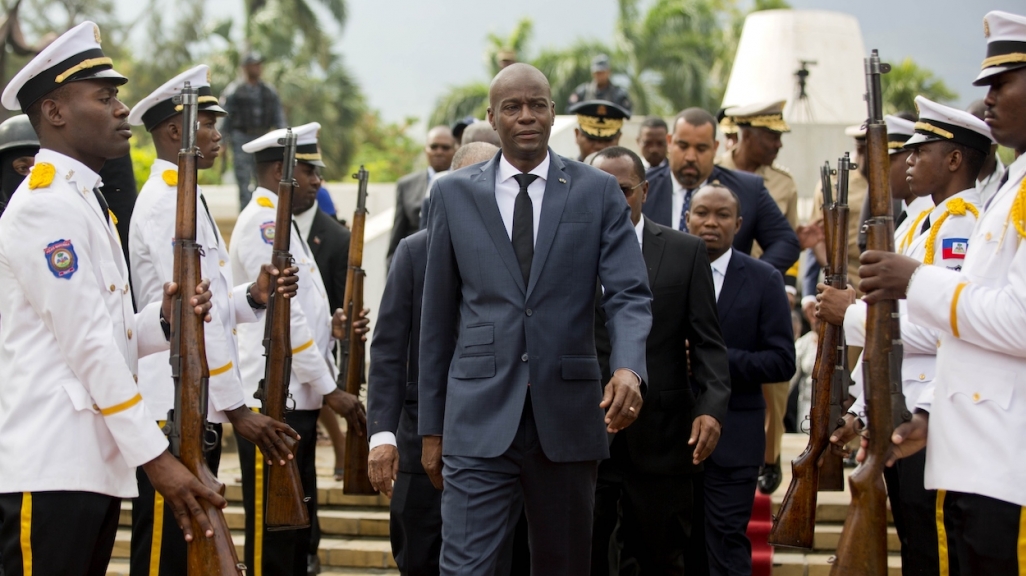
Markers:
(265, 202)
(780, 168)
(41, 176)
(170, 177)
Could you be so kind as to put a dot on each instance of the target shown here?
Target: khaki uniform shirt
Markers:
(858, 187)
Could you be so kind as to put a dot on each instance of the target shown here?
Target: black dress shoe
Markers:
(770, 478)
(313, 564)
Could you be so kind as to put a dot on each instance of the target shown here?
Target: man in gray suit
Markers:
(411, 189)
(515, 249)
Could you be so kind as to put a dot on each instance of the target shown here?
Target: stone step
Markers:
(797, 564)
(121, 568)
(354, 522)
(334, 551)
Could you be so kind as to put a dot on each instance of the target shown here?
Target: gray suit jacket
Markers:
(409, 196)
(473, 391)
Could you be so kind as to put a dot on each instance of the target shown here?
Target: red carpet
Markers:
(758, 532)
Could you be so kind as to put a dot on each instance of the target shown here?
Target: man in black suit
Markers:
(692, 152)
(755, 319)
(649, 473)
(411, 189)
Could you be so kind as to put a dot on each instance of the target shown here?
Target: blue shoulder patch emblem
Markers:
(61, 258)
(267, 232)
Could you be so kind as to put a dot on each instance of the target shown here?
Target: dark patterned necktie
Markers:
(103, 204)
(523, 225)
(683, 227)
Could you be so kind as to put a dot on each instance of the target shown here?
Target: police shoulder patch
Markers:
(61, 258)
(267, 232)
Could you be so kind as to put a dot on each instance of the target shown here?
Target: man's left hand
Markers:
(909, 438)
(885, 275)
(622, 400)
(200, 302)
(267, 433)
(831, 303)
(287, 284)
(705, 434)
(338, 324)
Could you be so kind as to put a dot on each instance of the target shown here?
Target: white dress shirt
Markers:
(507, 188)
(304, 221)
(719, 270)
(638, 229)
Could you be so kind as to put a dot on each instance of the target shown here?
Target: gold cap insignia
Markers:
(986, 28)
(96, 34)
(601, 110)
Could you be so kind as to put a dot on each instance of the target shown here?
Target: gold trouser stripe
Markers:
(221, 370)
(942, 534)
(83, 65)
(302, 347)
(121, 407)
(158, 533)
(26, 533)
(1022, 542)
(258, 510)
(954, 308)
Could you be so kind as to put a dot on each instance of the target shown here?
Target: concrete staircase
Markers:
(354, 539)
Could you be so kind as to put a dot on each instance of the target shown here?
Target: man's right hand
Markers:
(349, 407)
(810, 234)
(382, 467)
(182, 492)
(831, 303)
(840, 438)
(431, 459)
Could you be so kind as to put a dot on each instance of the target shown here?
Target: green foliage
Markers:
(516, 41)
(459, 102)
(907, 80)
(386, 150)
(143, 156)
(771, 5)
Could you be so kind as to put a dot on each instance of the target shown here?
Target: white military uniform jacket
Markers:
(943, 244)
(151, 243)
(71, 415)
(978, 416)
(313, 369)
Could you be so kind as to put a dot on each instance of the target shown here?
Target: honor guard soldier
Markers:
(600, 87)
(977, 414)
(156, 540)
(313, 368)
(73, 427)
(948, 148)
(598, 125)
(18, 148)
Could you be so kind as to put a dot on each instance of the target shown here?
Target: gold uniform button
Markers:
(229, 294)
(938, 343)
(922, 376)
(112, 288)
(987, 237)
(234, 331)
(222, 262)
(126, 289)
(976, 397)
(129, 333)
(136, 378)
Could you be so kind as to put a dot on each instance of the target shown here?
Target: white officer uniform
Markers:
(979, 411)
(943, 244)
(313, 368)
(71, 415)
(152, 255)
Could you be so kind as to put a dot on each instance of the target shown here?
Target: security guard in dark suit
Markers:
(600, 87)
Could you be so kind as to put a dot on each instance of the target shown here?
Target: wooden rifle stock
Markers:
(355, 479)
(795, 523)
(862, 548)
(286, 503)
(187, 424)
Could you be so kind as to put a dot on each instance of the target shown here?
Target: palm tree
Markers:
(298, 16)
(905, 81)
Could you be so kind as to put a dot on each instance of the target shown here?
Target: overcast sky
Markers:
(405, 53)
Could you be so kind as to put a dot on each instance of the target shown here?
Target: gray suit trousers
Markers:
(481, 505)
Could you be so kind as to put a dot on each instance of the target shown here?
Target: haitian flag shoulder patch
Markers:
(954, 248)
(61, 258)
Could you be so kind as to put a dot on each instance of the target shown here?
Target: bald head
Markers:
(513, 76)
(481, 131)
(472, 154)
(440, 147)
(522, 113)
